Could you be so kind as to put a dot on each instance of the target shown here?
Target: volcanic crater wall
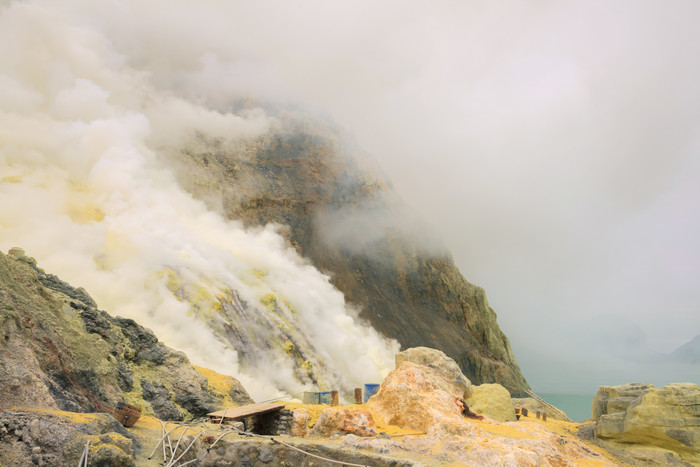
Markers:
(343, 216)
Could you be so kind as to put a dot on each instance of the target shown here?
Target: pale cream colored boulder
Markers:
(610, 399)
(337, 420)
(418, 397)
(492, 401)
(437, 360)
(667, 418)
(300, 423)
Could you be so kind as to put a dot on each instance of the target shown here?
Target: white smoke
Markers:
(86, 189)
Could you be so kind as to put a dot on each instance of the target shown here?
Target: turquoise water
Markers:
(576, 406)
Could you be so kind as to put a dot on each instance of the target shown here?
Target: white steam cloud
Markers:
(85, 188)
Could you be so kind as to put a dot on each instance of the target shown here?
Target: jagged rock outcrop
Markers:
(641, 415)
(58, 351)
(492, 401)
(345, 218)
(611, 399)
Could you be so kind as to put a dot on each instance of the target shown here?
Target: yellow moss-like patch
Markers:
(269, 301)
(221, 384)
(12, 179)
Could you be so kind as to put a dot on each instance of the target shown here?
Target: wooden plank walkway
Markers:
(244, 411)
(547, 404)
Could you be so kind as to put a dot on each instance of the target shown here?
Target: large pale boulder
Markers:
(418, 397)
(667, 418)
(451, 374)
(492, 401)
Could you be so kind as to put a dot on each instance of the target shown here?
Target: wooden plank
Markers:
(547, 404)
(245, 411)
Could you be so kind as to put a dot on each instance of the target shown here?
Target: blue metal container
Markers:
(324, 397)
(370, 390)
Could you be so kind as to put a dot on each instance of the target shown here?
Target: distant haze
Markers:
(555, 146)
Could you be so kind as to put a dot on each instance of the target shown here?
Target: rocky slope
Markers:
(59, 351)
(342, 215)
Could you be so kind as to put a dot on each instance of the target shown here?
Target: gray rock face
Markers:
(642, 415)
(59, 351)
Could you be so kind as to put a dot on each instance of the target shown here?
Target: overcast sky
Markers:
(555, 147)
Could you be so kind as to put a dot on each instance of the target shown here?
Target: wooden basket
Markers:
(127, 414)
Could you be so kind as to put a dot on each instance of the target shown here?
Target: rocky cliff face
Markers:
(344, 217)
(58, 351)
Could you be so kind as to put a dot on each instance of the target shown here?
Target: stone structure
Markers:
(274, 423)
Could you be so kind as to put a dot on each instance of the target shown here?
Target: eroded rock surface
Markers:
(640, 415)
(344, 421)
(610, 399)
(418, 397)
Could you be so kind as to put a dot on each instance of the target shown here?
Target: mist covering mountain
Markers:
(339, 212)
(246, 235)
